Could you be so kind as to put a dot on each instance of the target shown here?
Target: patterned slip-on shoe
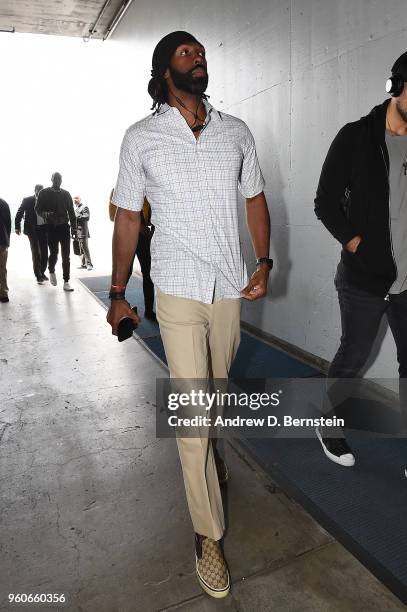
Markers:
(211, 569)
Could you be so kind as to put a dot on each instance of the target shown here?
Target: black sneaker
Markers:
(45, 278)
(4, 300)
(337, 450)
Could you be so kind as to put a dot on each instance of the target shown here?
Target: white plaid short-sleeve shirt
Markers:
(192, 186)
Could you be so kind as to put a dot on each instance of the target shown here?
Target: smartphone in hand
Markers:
(126, 327)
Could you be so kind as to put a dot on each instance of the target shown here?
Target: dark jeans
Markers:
(144, 257)
(361, 314)
(39, 250)
(35, 254)
(85, 253)
(59, 235)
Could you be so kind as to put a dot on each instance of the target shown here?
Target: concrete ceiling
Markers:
(61, 17)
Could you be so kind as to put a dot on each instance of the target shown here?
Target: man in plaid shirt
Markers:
(190, 160)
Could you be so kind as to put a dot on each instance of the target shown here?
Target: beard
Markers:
(402, 111)
(185, 81)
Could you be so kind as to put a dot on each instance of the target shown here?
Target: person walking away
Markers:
(82, 219)
(36, 231)
(55, 206)
(5, 231)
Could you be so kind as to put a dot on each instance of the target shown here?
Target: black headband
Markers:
(165, 50)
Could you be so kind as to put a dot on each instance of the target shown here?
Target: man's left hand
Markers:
(145, 230)
(257, 285)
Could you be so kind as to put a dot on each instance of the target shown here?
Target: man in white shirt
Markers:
(189, 160)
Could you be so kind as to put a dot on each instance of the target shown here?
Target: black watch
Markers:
(265, 260)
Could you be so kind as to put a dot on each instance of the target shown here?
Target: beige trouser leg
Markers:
(194, 334)
(3, 271)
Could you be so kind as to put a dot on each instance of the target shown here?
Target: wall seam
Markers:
(291, 84)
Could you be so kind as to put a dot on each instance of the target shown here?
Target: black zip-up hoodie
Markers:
(353, 198)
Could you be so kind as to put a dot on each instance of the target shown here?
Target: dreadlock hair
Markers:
(158, 90)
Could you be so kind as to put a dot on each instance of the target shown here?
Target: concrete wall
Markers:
(295, 71)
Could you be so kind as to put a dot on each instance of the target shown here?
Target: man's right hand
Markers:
(117, 311)
(352, 245)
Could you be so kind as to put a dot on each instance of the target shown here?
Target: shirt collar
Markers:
(211, 110)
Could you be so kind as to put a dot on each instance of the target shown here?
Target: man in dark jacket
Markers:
(55, 206)
(82, 218)
(362, 200)
(143, 253)
(36, 230)
(5, 230)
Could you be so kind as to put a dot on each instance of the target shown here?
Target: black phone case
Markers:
(126, 327)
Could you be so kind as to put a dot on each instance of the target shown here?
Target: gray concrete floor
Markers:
(92, 503)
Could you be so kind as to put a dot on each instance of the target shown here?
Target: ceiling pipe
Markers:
(117, 19)
(92, 29)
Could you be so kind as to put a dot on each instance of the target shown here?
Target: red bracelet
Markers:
(118, 287)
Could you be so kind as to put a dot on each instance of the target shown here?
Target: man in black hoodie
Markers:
(55, 206)
(362, 201)
(5, 230)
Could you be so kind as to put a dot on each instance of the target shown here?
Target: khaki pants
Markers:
(196, 335)
(3, 271)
